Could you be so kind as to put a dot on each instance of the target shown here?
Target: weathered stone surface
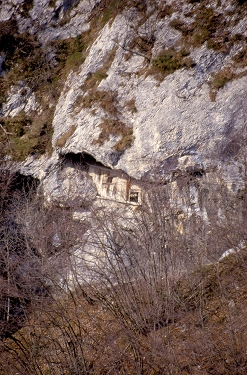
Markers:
(69, 187)
(66, 19)
(8, 9)
(20, 98)
(176, 125)
(40, 167)
(173, 116)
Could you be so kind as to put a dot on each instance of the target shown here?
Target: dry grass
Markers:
(208, 26)
(241, 58)
(143, 45)
(26, 61)
(111, 125)
(107, 100)
(178, 24)
(169, 61)
(116, 128)
(25, 135)
(125, 142)
(226, 75)
(104, 99)
(131, 105)
(61, 141)
(221, 79)
(93, 79)
(27, 6)
(106, 11)
(166, 10)
(52, 3)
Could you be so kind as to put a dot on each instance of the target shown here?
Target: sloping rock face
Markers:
(162, 87)
(20, 98)
(49, 19)
(173, 119)
(69, 188)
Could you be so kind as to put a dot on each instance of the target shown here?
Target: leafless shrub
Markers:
(136, 294)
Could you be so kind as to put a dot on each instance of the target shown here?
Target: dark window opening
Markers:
(109, 179)
(134, 196)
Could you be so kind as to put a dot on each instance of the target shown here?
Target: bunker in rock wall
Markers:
(115, 185)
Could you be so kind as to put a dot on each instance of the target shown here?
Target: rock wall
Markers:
(123, 110)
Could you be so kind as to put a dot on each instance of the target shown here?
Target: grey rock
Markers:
(176, 125)
(177, 114)
(6, 11)
(46, 21)
(41, 167)
(69, 187)
(2, 60)
(20, 98)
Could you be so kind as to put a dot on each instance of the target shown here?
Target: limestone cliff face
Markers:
(44, 17)
(162, 86)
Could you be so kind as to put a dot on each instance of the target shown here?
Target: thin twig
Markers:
(5, 131)
(131, 51)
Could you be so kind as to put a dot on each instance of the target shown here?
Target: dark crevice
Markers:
(195, 171)
(66, 6)
(83, 159)
(24, 183)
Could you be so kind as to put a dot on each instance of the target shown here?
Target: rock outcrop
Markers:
(161, 89)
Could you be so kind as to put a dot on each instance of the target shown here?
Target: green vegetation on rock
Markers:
(171, 60)
(28, 61)
(21, 135)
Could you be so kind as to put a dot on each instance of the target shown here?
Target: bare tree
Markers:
(130, 291)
